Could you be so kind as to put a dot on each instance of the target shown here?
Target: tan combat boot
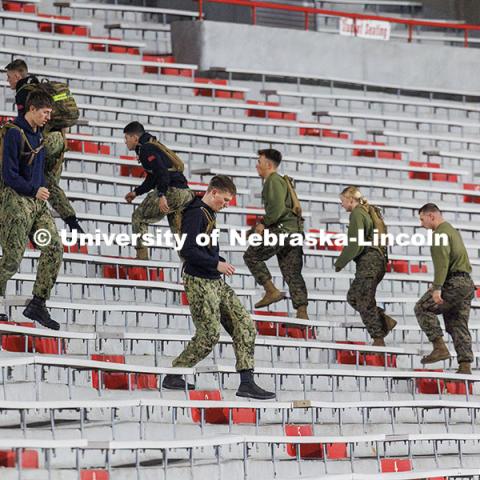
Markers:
(378, 342)
(439, 352)
(302, 312)
(142, 253)
(464, 367)
(272, 295)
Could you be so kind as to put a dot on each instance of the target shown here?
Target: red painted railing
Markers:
(307, 11)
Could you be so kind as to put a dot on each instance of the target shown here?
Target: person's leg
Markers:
(146, 213)
(204, 300)
(178, 199)
(54, 155)
(290, 260)
(459, 294)
(48, 267)
(369, 272)
(255, 258)
(361, 297)
(426, 311)
(240, 326)
(16, 218)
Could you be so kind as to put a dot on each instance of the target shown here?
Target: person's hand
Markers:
(42, 194)
(163, 204)
(226, 268)
(437, 297)
(259, 228)
(130, 196)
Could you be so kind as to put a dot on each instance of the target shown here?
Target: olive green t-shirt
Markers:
(449, 258)
(359, 220)
(278, 205)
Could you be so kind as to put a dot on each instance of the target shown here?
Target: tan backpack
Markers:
(177, 163)
(65, 111)
(378, 224)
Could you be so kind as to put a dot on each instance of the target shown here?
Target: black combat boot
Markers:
(36, 310)
(72, 222)
(176, 382)
(249, 389)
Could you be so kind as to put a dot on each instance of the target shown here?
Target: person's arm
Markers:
(194, 223)
(352, 249)
(146, 186)
(274, 195)
(159, 163)
(11, 164)
(441, 261)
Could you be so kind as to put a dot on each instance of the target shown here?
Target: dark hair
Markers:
(429, 208)
(38, 99)
(222, 183)
(274, 155)
(134, 128)
(17, 65)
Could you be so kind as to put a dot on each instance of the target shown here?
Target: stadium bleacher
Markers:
(86, 402)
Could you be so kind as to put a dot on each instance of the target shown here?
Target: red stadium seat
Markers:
(335, 451)
(94, 475)
(220, 415)
(391, 465)
(28, 459)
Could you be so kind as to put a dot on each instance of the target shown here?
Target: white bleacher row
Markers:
(414, 90)
(78, 61)
(369, 101)
(131, 83)
(144, 101)
(213, 156)
(42, 40)
(18, 17)
(246, 453)
(108, 8)
(291, 127)
(389, 414)
(368, 119)
(471, 143)
(389, 381)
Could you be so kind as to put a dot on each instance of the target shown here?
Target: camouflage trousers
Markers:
(54, 153)
(290, 261)
(214, 303)
(21, 217)
(371, 267)
(149, 210)
(457, 294)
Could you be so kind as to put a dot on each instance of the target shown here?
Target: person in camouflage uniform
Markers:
(279, 218)
(24, 210)
(450, 295)
(370, 267)
(170, 194)
(54, 142)
(212, 302)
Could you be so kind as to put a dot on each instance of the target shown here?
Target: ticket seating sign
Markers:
(372, 29)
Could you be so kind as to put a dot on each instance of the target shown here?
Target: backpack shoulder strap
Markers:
(32, 151)
(211, 221)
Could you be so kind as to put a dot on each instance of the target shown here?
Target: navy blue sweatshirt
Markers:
(156, 164)
(22, 93)
(16, 173)
(199, 261)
